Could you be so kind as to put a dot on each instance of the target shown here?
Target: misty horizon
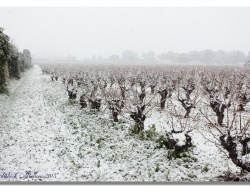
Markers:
(52, 33)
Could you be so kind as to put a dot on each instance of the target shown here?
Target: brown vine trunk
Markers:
(231, 146)
(240, 108)
(220, 118)
(95, 104)
(162, 103)
(187, 113)
(163, 94)
(140, 126)
(115, 116)
(152, 89)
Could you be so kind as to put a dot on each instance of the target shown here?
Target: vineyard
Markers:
(148, 93)
(149, 123)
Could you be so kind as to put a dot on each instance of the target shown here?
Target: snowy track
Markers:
(29, 126)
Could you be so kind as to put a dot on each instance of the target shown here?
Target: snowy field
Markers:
(43, 137)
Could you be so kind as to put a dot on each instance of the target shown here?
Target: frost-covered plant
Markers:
(115, 106)
(72, 93)
(163, 93)
(234, 138)
(83, 101)
(123, 85)
(243, 99)
(165, 90)
(179, 145)
(179, 138)
(139, 117)
(172, 154)
(95, 103)
(242, 92)
(205, 169)
(219, 107)
(94, 100)
(151, 132)
(189, 87)
(160, 142)
(142, 83)
(157, 168)
(188, 103)
(152, 83)
(114, 101)
(134, 129)
(137, 105)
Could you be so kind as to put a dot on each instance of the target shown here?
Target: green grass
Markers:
(151, 132)
(192, 176)
(99, 140)
(134, 129)
(185, 156)
(145, 134)
(205, 169)
(157, 168)
(160, 142)
(98, 163)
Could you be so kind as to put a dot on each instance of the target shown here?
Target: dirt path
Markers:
(30, 132)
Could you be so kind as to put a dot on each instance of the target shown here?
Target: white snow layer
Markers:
(41, 134)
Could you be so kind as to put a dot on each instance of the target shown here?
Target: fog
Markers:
(84, 32)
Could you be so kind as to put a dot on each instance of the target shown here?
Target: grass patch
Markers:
(175, 155)
(100, 143)
(145, 134)
(160, 142)
(192, 176)
(185, 156)
(99, 140)
(205, 169)
(98, 163)
(157, 168)
(134, 129)
(92, 111)
(151, 132)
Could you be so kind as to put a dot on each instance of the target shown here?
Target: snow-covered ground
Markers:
(45, 136)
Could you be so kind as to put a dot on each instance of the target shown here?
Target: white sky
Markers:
(54, 32)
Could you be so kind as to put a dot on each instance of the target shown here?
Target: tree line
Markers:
(202, 57)
(12, 62)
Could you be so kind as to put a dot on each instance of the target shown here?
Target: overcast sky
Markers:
(105, 31)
